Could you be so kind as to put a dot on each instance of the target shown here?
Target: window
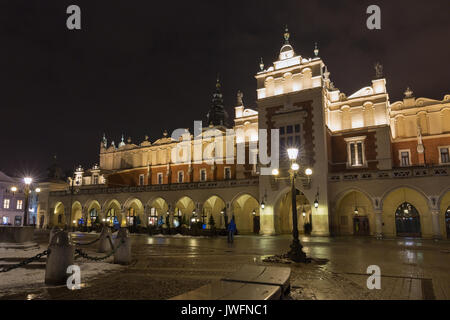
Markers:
(203, 175)
(227, 173)
(95, 179)
(405, 158)
(153, 218)
(141, 179)
(444, 154)
(6, 203)
(289, 137)
(19, 204)
(160, 178)
(180, 176)
(355, 152)
(131, 215)
(94, 215)
(5, 220)
(18, 220)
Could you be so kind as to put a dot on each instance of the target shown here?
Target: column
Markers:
(436, 225)
(378, 223)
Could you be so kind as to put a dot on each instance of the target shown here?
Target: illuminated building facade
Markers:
(379, 168)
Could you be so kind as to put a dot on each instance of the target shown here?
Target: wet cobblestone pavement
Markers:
(164, 267)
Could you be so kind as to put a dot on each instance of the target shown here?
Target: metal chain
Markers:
(26, 261)
(86, 243)
(83, 254)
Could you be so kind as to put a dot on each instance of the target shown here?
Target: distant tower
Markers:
(217, 116)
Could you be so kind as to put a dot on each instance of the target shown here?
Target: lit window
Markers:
(180, 176)
(355, 152)
(160, 178)
(404, 158)
(203, 175)
(95, 179)
(5, 220)
(227, 173)
(19, 204)
(444, 154)
(6, 204)
(289, 137)
(141, 179)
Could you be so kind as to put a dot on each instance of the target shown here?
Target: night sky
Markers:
(139, 67)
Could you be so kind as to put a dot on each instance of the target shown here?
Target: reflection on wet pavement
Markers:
(167, 266)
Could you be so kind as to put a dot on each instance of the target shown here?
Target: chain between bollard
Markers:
(86, 256)
(26, 261)
(86, 243)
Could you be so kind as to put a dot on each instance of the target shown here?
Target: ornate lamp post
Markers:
(296, 253)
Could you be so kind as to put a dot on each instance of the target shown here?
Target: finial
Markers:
(146, 138)
(408, 93)
(378, 70)
(113, 144)
(240, 95)
(286, 35)
(165, 133)
(218, 81)
(261, 64)
(129, 140)
(122, 137)
(316, 50)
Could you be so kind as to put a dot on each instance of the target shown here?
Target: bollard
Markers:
(52, 233)
(123, 253)
(105, 241)
(59, 258)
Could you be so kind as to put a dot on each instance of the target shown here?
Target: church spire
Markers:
(217, 114)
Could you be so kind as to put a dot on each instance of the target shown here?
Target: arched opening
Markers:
(77, 215)
(395, 200)
(354, 214)
(158, 212)
(283, 217)
(59, 219)
(134, 211)
(93, 211)
(447, 222)
(246, 214)
(113, 216)
(215, 211)
(407, 220)
(184, 209)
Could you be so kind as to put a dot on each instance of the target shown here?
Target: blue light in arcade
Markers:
(204, 226)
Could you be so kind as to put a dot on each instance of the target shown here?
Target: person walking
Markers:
(231, 230)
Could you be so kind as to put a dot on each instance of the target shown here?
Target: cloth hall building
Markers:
(380, 168)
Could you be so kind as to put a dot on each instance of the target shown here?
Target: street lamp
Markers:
(27, 181)
(296, 253)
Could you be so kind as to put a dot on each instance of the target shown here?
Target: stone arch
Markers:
(444, 214)
(58, 215)
(134, 211)
(246, 213)
(184, 209)
(353, 213)
(394, 198)
(76, 213)
(283, 211)
(94, 212)
(158, 207)
(112, 208)
(216, 207)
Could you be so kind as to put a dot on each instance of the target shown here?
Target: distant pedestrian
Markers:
(231, 230)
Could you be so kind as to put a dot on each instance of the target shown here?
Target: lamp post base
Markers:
(296, 253)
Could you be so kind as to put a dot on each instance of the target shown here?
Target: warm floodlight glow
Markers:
(14, 189)
(295, 166)
(262, 205)
(316, 204)
(292, 153)
(275, 172)
(28, 180)
(38, 190)
(308, 171)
